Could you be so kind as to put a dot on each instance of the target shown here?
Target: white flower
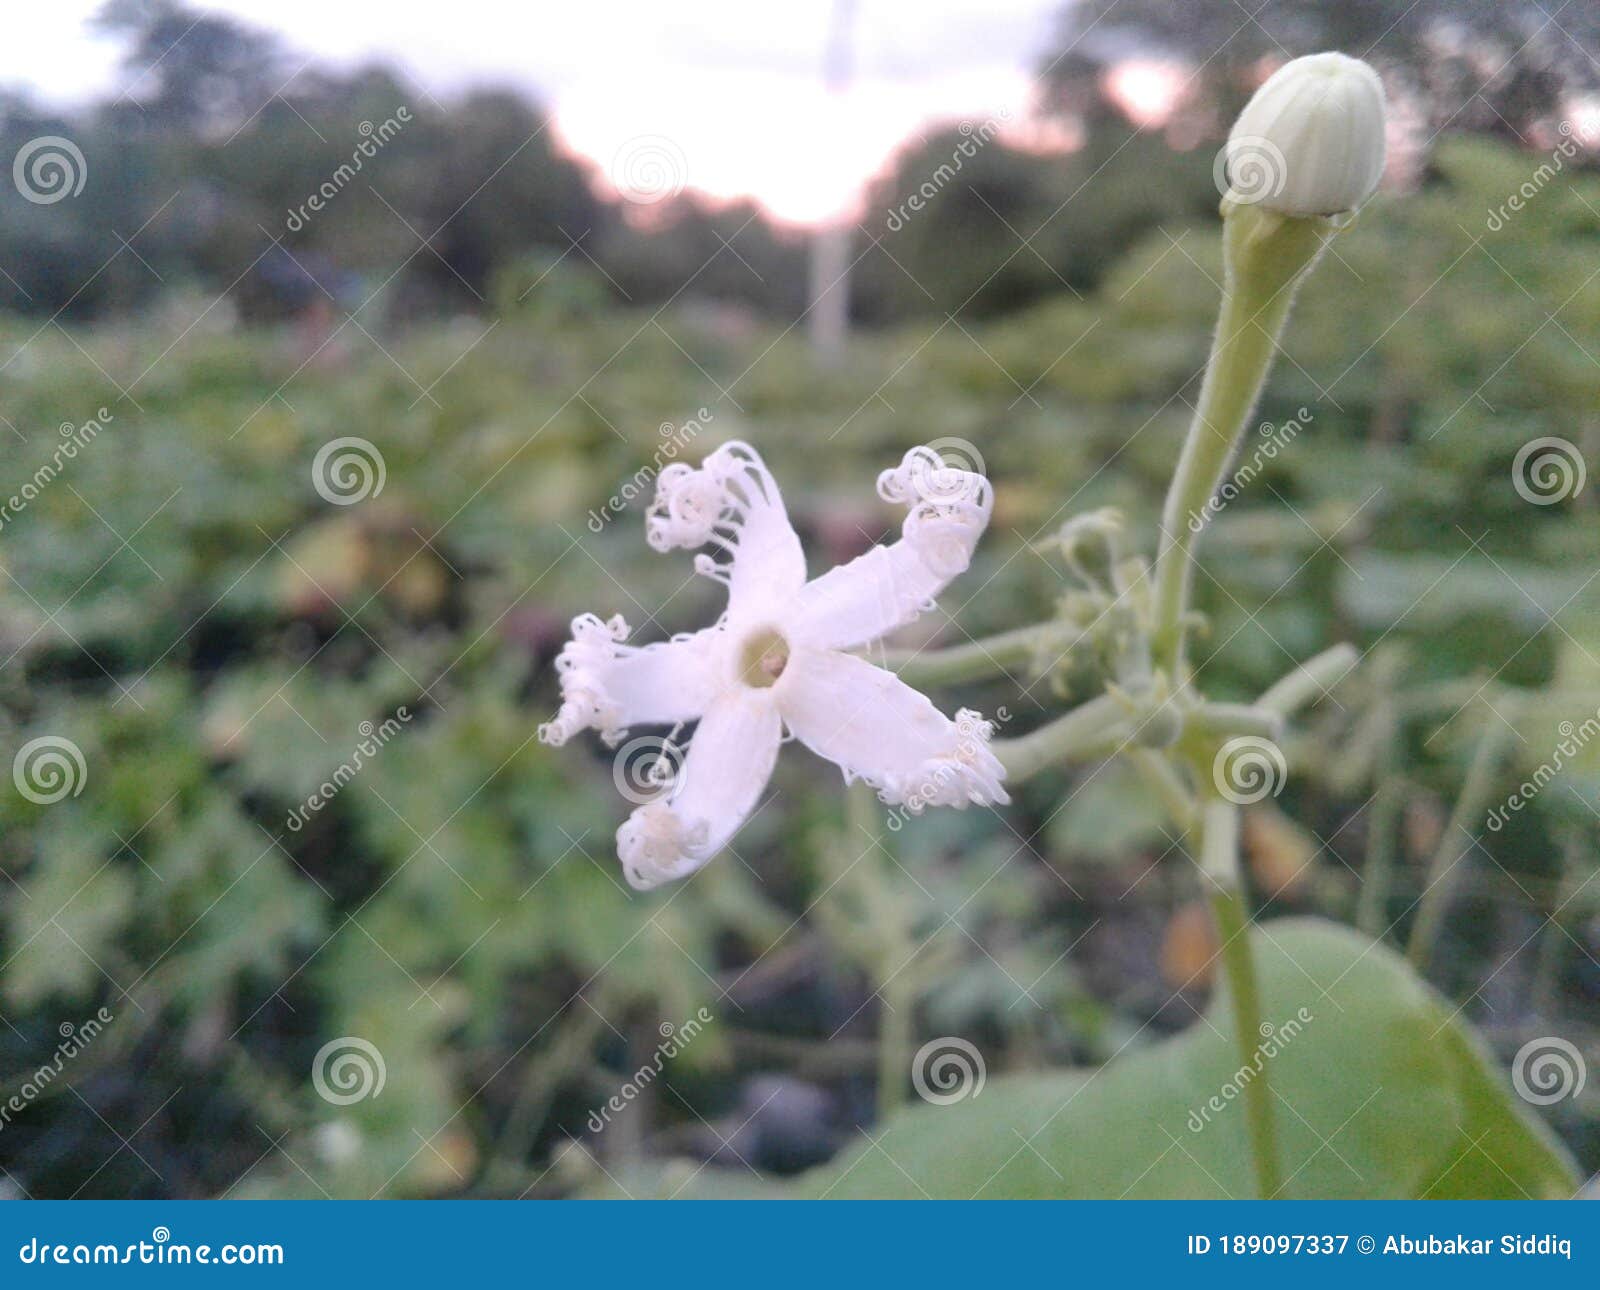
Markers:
(776, 661)
(1311, 140)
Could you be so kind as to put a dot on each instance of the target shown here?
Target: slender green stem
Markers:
(1383, 822)
(1088, 730)
(1452, 696)
(894, 1047)
(1443, 869)
(1555, 937)
(887, 949)
(571, 1042)
(1225, 720)
(1265, 257)
(1310, 681)
(1219, 858)
(1377, 875)
(1162, 776)
(1021, 647)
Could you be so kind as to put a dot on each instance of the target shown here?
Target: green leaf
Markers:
(1382, 1093)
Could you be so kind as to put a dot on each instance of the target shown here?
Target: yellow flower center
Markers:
(763, 658)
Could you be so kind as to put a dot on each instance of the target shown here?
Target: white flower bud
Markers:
(1310, 141)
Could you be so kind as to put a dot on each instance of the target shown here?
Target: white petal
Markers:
(729, 762)
(731, 500)
(878, 729)
(890, 585)
(611, 686)
(1311, 140)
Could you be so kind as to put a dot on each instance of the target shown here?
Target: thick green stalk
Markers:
(1219, 858)
(1265, 257)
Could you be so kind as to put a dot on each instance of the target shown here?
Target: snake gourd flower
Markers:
(777, 663)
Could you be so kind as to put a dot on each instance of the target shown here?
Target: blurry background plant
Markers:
(185, 607)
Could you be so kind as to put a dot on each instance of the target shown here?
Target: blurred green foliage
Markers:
(183, 605)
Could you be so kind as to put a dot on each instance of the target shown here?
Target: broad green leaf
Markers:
(1382, 1093)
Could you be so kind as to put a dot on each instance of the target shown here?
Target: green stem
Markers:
(572, 1041)
(1452, 696)
(1225, 720)
(1383, 824)
(1265, 257)
(1219, 858)
(1377, 875)
(894, 1048)
(1088, 730)
(1453, 846)
(1555, 936)
(1162, 776)
(886, 951)
(1022, 647)
(1310, 681)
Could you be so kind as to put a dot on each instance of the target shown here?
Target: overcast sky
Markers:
(734, 85)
